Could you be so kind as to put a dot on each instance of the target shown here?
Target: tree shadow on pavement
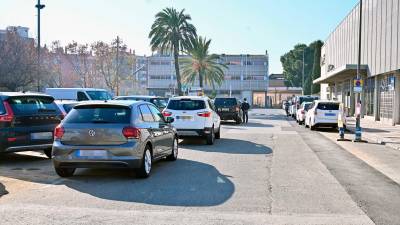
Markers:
(236, 146)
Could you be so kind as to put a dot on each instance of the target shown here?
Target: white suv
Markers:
(194, 117)
(323, 114)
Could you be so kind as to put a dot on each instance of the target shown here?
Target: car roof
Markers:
(190, 97)
(128, 103)
(12, 94)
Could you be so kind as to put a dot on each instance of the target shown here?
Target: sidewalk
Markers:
(376, 132)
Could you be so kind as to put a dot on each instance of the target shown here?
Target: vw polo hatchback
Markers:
(114, 134)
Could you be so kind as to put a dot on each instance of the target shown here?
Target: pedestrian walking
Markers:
(245, 108)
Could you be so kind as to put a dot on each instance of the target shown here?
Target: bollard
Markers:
(341, 124)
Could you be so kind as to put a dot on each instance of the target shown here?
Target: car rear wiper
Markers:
(100, 121)
(46, 110)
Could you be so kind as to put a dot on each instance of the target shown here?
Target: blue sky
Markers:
(235, 26)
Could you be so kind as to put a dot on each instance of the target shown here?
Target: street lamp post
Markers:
(357, 96)
(39, 7)
(302, 77)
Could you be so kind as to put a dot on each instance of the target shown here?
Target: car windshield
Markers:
(32, 105)
(99, 95)
(225, 101)
(68, 107)
(307, 99)
(99, 114)
(328, 106)
(186, 104)
(307, 106)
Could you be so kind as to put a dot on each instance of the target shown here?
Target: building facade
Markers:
(278, 91)
(380, 61)
(245, 77)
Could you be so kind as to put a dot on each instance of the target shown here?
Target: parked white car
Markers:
(322, 113)
(79, 94)
(194, 116)
(301, 112)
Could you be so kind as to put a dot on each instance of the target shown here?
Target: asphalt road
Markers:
(269, 171)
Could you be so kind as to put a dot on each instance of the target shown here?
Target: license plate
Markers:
(225, 109)
(92, 153)
(330, 114)
(42, 136)
(184, 117)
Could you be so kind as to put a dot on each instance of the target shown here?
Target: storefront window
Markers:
(369, 96)
(386, 97)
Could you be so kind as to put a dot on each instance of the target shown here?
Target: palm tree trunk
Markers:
(178, 75)
(201, 79)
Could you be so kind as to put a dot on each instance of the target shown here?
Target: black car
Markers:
(160, 102)
(27, 122)
(229, 109)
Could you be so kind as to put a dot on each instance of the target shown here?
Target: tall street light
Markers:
(39, 7)
(357, 96)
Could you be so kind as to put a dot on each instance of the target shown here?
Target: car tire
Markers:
(47, 152)
(146, 164)
(238, 121)
(210, 138)
(65, 172)
(218, 134)
(174, 153)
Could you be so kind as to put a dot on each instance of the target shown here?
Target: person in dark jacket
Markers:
(245, 108)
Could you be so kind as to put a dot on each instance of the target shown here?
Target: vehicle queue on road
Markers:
(312, 112)
(87, 128)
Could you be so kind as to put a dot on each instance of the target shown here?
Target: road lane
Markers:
(259, 173)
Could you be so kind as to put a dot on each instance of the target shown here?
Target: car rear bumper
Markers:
(193, 132)
(229, 115)
(128, 155)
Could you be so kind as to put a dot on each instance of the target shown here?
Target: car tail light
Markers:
(59, 132)
(204, 114)
(131, 132)
(167, 114)
(9, 115)
(302, 111)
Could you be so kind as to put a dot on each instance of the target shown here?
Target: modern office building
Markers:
(380, 61)
(245, 77)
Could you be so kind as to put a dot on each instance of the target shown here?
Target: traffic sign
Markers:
(358, 85)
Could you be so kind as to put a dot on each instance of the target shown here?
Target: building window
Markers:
(369, 96)
(386, 97)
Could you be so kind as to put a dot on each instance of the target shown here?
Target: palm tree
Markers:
(201, 65)
(171, 32)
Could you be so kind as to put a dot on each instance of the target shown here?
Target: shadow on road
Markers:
(236, 146)
(179, 183)
(244, 125)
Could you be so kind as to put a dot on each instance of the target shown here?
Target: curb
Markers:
(376, 139)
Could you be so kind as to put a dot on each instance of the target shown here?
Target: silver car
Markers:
(117, 134)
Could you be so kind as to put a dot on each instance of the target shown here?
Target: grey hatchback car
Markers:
(113, 134)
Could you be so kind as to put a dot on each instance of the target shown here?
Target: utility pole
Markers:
(357, 96)
(302, 77)
(39, 7)
(117, 63)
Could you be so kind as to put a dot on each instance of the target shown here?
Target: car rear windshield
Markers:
(307, 106)
(328, 106)
(307, 99)
(225, 102)
(98, 114)
(186, 104)
(23, 105)
(99, 95)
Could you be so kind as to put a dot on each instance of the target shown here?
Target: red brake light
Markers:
(204, 114)
(59, 132)
(302, 111)
(167, 114)
(131, 132)
(9, 115)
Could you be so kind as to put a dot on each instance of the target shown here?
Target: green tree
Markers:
(201, 65)
(316, 72)
(171, 32)
(292, 63)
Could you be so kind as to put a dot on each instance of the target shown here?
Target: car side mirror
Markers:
(169, 119)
